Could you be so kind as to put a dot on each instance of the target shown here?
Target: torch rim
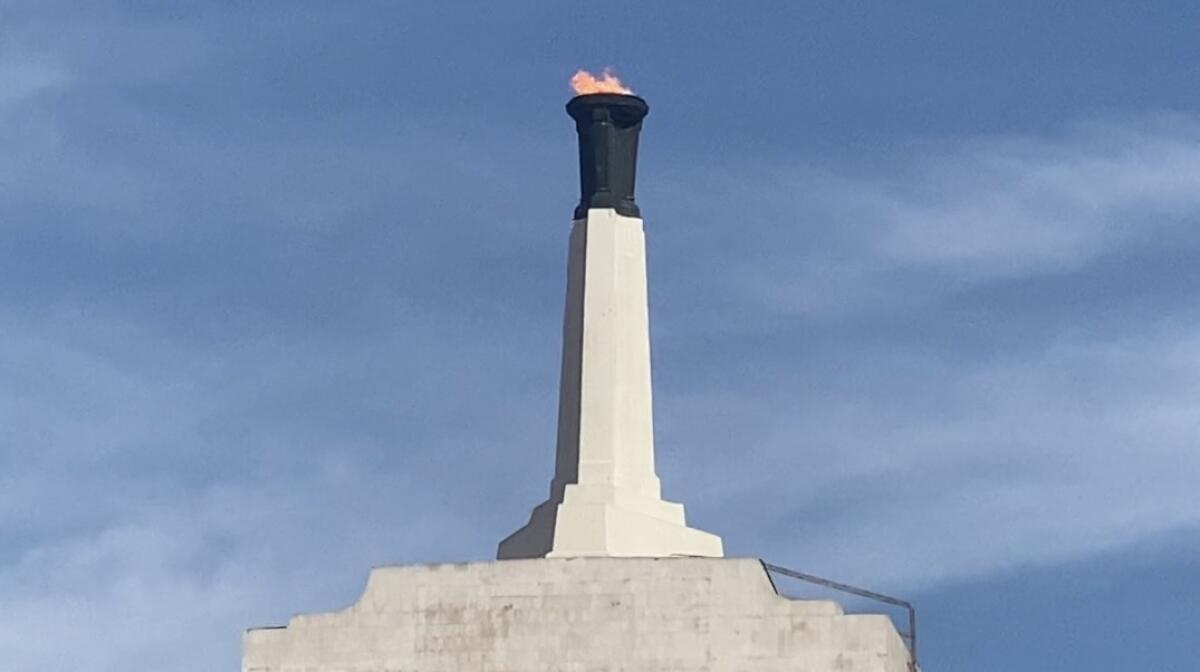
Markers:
(598, 99)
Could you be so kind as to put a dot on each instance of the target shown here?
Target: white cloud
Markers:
(1082, 448)
(119, 551)
(172, 585)
(827, 242)
(1010, 207)
(950, 451)
(22, 81)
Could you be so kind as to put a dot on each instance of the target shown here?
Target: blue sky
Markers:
(281, 284)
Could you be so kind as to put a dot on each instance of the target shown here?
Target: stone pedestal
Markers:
(579, 615)
(606, 575)
(605, 498)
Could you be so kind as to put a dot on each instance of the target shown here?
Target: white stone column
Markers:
(605, 498)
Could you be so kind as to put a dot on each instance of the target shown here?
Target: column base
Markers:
(601, 521)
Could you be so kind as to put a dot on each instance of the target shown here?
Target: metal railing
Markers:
(909, 637)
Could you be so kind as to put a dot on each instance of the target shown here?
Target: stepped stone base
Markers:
(578, 615)
(595, 521)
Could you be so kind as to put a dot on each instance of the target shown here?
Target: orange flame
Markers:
(585, 83)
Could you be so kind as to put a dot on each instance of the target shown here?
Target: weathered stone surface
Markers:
(578, 615)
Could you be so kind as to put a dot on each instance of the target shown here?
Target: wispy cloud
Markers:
(20, 82)
(952, 471)
(914, 412)
(995, 208)
(944, 216)
(151, 501)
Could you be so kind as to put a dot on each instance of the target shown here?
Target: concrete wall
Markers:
(578, 615)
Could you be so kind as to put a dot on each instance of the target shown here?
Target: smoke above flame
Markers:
(585, 83)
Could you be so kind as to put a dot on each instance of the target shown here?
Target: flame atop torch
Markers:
(585, 83)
